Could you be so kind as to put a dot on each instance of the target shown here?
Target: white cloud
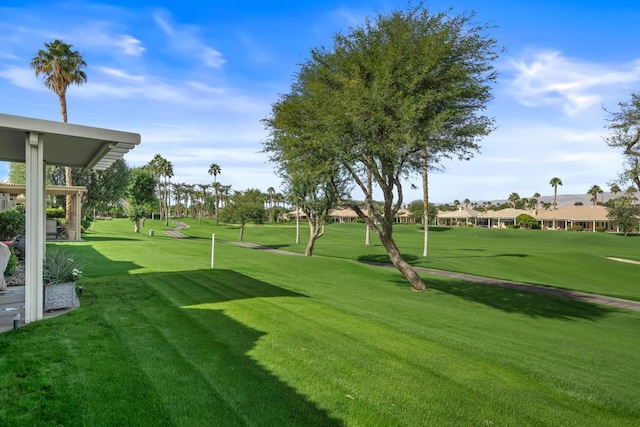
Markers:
(549, 78)
(185, 39)
(120, 74)
(101, 34)
(22, 77)
(130, 45)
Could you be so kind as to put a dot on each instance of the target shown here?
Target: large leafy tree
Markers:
(624, 126)
(60, 67)
(371, 103)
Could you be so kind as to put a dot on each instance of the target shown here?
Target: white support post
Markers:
(213, 249)
(34, 227)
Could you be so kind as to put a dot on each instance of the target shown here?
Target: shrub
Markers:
(601, 229)
(575, 228)
(526, 221)
(13, 262)
(11, 224)
(513, 227)
(54, 213)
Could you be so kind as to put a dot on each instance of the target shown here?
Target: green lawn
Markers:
(569, 260)
(267, 339)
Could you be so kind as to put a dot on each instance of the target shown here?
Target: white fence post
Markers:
(213, 247)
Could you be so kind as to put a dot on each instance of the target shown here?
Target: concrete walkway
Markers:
(12, 303)
(175, 233)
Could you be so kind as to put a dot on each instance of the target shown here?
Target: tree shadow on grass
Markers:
(384, 259)
(179, 320)
(103, 238)
(487, 256)
(529, 303)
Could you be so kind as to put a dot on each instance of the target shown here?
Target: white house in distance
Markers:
(590, 218)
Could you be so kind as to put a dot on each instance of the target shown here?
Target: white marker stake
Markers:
(213, 247)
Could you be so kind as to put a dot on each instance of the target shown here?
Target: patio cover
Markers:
(42, 142)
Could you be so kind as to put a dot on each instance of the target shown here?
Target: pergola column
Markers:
(34, 227)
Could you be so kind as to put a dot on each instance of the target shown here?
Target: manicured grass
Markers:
(268, 339)
(569, 260)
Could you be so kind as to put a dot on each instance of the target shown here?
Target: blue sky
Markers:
(195, 78)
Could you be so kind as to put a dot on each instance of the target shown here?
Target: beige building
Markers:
(589, 218)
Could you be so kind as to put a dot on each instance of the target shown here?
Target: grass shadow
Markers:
(487, 256)
(194, 300)
(529, 303)
(384, 259)
(168, 340)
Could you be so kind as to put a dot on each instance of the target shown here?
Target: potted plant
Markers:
(61, 271)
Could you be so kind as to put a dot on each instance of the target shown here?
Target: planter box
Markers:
(60, 295)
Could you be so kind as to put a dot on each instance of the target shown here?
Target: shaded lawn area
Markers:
(267, 339)
(569, 260)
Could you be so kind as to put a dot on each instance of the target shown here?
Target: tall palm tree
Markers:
(61, 67)
(593, 192)
(555, 181)
(166, 170)
(215, 170)
(466, 203)
(162, 168)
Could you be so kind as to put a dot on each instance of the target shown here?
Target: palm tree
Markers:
(203, 188)
(270, 193)
(61, 67)
(514, 198)
(615, 189)
(555, 181)
(536, 196)
(466, 203)
(177, 194)
(214, 169)
(593, 192)
(161, 167)
(456, 203)
(166, 171)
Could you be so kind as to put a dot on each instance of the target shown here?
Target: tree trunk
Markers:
(402, 265)
(315, 232)
(242, 232)
(68, 181)
(136, 225)
(425, 200)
